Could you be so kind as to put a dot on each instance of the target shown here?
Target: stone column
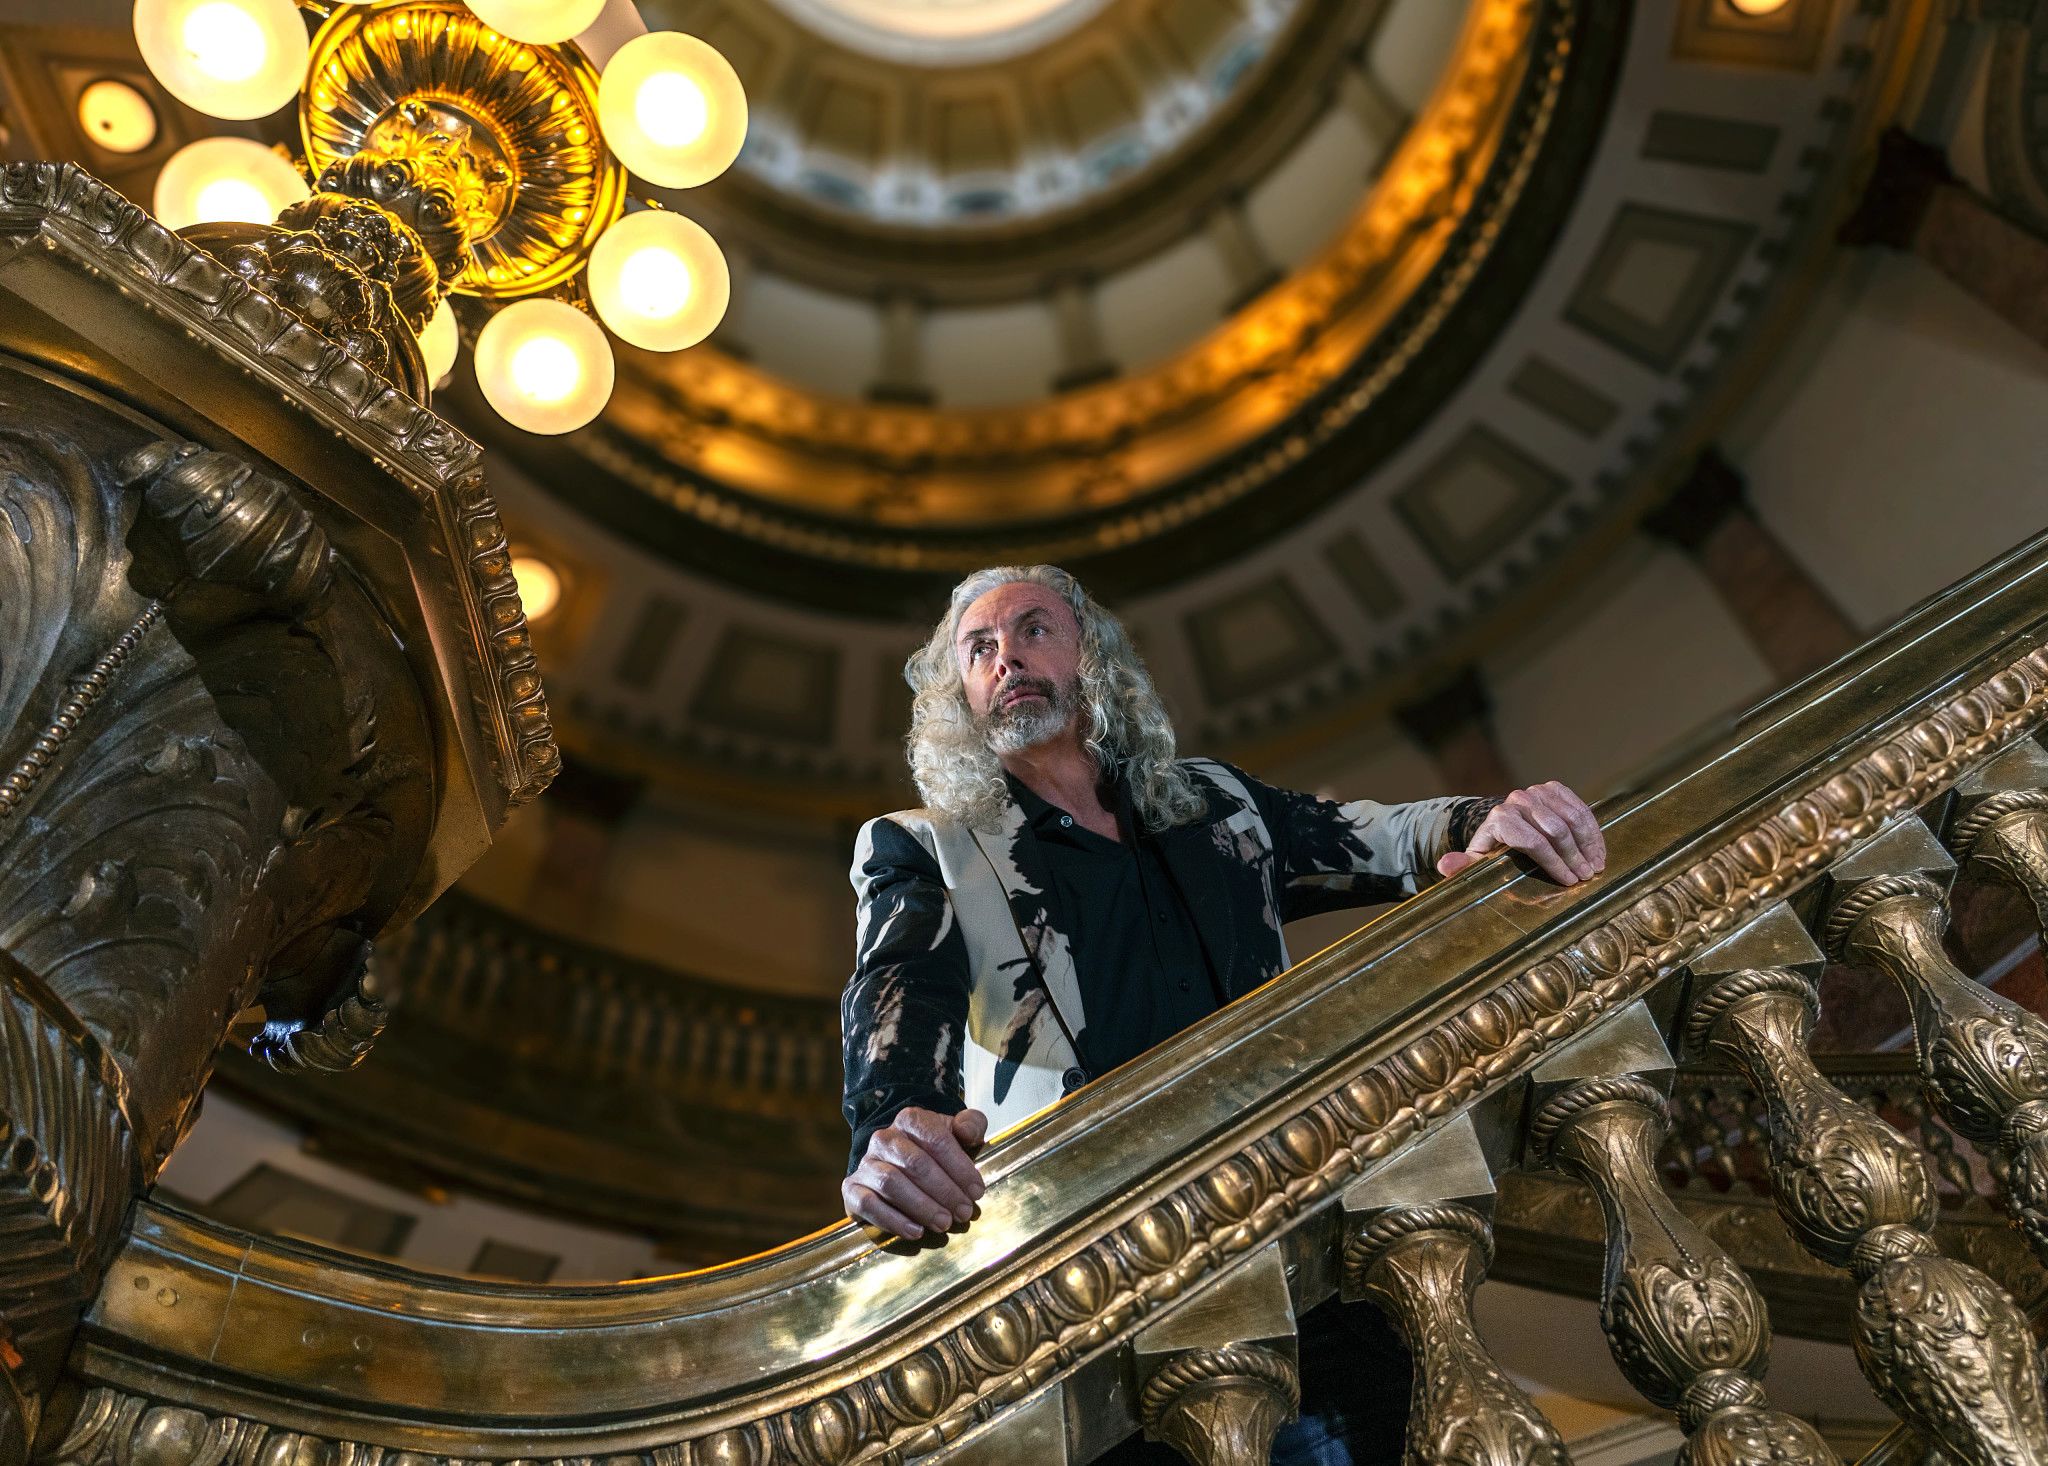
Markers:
(1251, 270)
(1453, 722)
(901, 375)
(1913, 202)
(1083, 358)
(1791, 621)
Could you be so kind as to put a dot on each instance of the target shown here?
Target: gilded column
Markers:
(2001, 824)
(1983, 1058)
(1418, 1240)
(1941, 1342)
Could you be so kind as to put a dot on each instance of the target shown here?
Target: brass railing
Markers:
(1144, 1248)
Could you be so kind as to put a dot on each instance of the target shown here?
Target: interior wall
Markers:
(1909, 450)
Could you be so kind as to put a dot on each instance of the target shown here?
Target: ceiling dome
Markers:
(1321, 399)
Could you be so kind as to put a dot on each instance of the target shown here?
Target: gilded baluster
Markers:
(1421, 1265)
(1221, 1407)
(1217, 1377)
(1983, 1058)
(1940, 1342)
(1684, 1323)
(2006, 838)
(2000, 827)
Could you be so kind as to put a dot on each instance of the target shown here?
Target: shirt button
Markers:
(1072, 1080)
(1066, 822)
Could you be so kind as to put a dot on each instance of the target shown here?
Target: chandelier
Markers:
(482, 148)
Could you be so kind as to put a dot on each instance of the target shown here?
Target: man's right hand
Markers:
(917, 1175)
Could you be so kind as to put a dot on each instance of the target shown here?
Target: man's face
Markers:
(1019, 653)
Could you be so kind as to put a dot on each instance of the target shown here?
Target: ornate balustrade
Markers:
(1715, 1163)
(1143, 1248)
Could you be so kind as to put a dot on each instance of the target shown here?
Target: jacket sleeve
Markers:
(903, 1016)
(1327, 856)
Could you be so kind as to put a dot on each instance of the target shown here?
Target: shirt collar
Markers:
(1041, 814)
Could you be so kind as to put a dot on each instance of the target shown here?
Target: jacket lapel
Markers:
(1019, 865)
(1224, 873)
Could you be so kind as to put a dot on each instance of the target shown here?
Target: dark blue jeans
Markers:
(1354, 1397)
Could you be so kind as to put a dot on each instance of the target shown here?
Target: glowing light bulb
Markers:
(537, 22)
(440, 341)
(224, 41)
(658, 280)
(227, 58)
(655, 283)
(546, 369)
(1759, 7)
(672, 109)
(544, 366)
(117, 117)
(220, 179)
(233, 199)
(540, 587)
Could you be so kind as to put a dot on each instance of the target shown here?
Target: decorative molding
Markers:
(63, 208)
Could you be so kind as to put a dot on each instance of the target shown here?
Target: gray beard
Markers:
(1012, 730)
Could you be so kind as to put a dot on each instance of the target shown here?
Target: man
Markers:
(1073, 894)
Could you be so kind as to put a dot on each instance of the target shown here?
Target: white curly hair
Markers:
(1125, 724)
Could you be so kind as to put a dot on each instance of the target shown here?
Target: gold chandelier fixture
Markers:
(484, 148)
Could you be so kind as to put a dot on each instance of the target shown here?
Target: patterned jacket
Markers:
(963, 993)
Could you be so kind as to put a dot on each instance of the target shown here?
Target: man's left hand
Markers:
(1546, 822)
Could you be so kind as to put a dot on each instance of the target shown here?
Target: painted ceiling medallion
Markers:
(943, 32)
(521, 121)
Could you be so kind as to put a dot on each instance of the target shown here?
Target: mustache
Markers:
(1039, 685)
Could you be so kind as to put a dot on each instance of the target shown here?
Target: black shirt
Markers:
(1140, 966)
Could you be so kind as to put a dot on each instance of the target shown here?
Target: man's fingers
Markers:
(902, 1192)
(934, 1133)
(1517, 833)
(1572, 812)
(1454, 862)
(1584, 822)
(970, 1128)
(863, 1205)
(1536, 806)
(905, 1153)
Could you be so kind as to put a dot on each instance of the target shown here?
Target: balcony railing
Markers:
(1144, 1247)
